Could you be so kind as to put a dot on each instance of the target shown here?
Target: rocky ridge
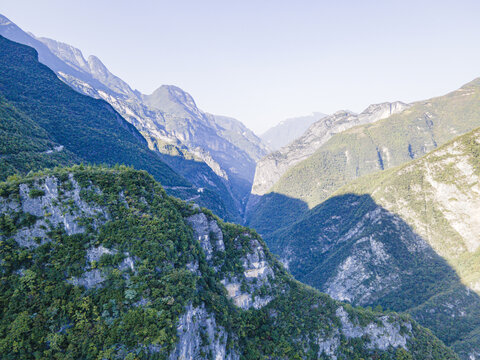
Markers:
(191, 290)
(362, 150)
(406, 239)
(168, 118)
(274, 165)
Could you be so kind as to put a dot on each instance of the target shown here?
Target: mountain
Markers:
(12, 32)
(288, 130)
(86, 127)
(44, 123)
(361, 150)
(200, 133)
(92, 68)
(241, 136)
(168, 118)
(102, 263)
(406, 238)
(271, 168)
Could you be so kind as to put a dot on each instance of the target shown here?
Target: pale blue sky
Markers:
(262, 61)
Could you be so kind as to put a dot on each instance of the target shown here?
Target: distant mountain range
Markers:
(271, 168)
(309, 170)
(168, 118)
(99, 259)
(288, 130)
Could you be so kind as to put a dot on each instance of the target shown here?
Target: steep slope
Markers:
(101, 263)
(407, 238)
(12, 32)
(45, 123)
(270, 169)
(25, 146)
(164, 126)
(91, 68)
(201, 134)
(369, 148)
(87, 127)
(241, 136)
(289, 130)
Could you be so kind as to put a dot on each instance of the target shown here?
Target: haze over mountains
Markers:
(288, 130)
(378, 209)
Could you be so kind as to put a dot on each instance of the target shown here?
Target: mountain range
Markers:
(100, 259)
(168, 118)
(313, 175)
(406, 238)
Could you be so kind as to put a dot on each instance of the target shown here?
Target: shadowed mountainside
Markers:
(46, 123)
(369, 148)
(394, 237)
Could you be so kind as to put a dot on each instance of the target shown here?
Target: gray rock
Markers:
(52, 210)
(203, 229)
(90, 279)
(381, 335)
(273, 166)
(191, 324)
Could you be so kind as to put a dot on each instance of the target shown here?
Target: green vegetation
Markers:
(214, 194)
(415, 222)
(86, 127)
(44, 123)
(24, 145)
(46, 314)
(367, 149)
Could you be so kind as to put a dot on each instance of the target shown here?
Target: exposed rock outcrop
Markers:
(199, 336)
(274, 165)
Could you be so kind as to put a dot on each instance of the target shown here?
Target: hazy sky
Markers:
(262, 61)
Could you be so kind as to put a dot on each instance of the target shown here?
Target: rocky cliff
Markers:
(168, 118)
(406, 239)
(273, 166)
(102, 263)
(365, 149)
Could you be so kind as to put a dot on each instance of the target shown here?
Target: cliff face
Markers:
(274, 165)
(362, 150)
(405, 238)
(102, 263)
(214, 152)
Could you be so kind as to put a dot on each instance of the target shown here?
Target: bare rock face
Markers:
(381, 335)
(196, 323)
(208, 234)
(89, 279)
(50, 212)
(274, 165)
(241, 288)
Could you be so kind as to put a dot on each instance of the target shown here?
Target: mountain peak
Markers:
(4, 20)
(96, 66)
(172, 99)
